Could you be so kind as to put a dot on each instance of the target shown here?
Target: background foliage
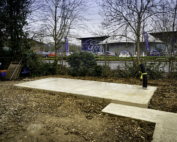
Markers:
(36, 67)
(82, 64)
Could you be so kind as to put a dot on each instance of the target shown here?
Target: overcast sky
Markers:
(94, 20)
(92, 23)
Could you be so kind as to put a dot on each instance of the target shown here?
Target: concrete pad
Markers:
(164, 134)
(109, 92)
(138, 113)
(166, 122)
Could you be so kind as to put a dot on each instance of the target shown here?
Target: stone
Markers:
(133, 95)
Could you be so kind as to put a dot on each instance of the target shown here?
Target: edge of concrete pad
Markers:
(105, 100)
(165, 130)
(151, 115)
(129, 103)
(163, 134)
(152, 87)
(157, 132)
(143, 104)
(151, 93)
(65, 93)
(110, 109)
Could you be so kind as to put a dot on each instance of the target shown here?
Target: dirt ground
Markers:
(38, 116)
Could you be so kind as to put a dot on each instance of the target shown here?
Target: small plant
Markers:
(155, 70)
(98, 70)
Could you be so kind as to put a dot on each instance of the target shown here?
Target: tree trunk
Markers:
(138, 38)
(138, 45)
(55, 39)
(138, 49)
(56, 60)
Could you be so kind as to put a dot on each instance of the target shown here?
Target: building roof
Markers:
(117, 39)
(129, 39)
(166, 36)
(96, 37)
(153, 39)
(167, 32)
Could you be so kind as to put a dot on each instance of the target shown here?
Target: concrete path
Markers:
(166, 122)
(116, 94)
(126, 94)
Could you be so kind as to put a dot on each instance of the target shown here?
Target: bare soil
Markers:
(38, 116)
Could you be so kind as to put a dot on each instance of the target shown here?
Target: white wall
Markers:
(130, 47)
(118, 47)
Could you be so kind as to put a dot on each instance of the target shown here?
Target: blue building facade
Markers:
(91, 44)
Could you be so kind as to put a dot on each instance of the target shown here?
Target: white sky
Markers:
(92, 24)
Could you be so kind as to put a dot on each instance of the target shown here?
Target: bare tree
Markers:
(166, 21)
(129, 16)
(60, 16)
(33, 19)
(166, 25)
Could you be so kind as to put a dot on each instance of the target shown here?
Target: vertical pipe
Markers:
(144, 74)
(105, 53)
(62, 56)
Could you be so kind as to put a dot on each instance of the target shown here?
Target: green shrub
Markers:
(155, 70)
(82, 64)
(122, 73)
(98, 70)
(37, 67)
(106, 71)
(133, 69)
(5, 61)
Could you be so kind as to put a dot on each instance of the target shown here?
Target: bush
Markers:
(155, 70)
(5, 61)
(106, 71)
(98, 70)
(132, 70)
(36, 67)
(82, 64)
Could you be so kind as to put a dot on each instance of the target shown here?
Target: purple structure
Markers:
(91, 44)
(146, 40)
(59, 49)
(66, 45)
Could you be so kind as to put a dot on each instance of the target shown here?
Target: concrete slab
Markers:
(166, 122)
(109, 92)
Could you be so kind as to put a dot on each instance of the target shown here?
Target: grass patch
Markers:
(116, 58)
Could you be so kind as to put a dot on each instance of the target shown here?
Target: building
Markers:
(119, 43)
(36, 46)
(169, 38)
(91, 44)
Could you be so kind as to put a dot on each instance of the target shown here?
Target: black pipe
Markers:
(144, 74)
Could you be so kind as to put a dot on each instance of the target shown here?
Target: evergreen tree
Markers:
(16, 11)
(2, 23)
(13, 15)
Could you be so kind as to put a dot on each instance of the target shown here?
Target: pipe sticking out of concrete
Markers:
(144, 75)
